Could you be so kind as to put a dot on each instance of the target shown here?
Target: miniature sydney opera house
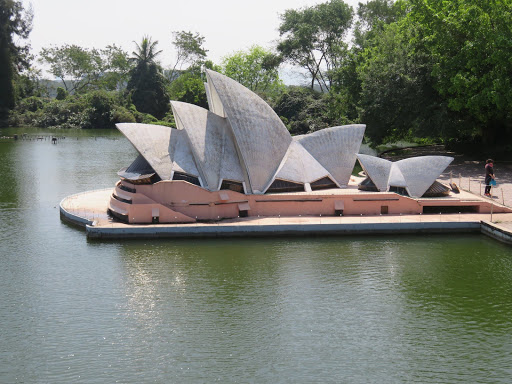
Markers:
(238, 159)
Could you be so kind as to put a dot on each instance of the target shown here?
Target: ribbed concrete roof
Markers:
(183, 158)
(416, 174)
(165, 149)
(211, 144)
(261, 138)
(335, 149)
(377, 169)
(421, 172)
(300, 166)
(152, 142)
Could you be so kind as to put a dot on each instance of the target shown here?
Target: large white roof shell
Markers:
(261, 138)
(415, 174)
(335, 149)
(211, 144)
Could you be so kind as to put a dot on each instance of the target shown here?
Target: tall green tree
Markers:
(470, 43)
(373, 16)
(76, 67)
(398, 99)
(312, 38)
(116, 66)
(189, 51)
(147, 85)
(15, 26)
(81, 69)
(257, 69)
(303, 110)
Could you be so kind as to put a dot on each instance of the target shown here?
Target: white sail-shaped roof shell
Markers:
(335, 149)
(416, 174)
(182, 156)
(421, 172)
(152, 142)
(377, 170)
(165, 149)
(300, 166)
(260, 136)
(211, 144)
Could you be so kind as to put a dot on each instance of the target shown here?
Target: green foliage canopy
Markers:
(312, 38)
(81, 69)
(257, 69)
(471, 47)
(189, 50)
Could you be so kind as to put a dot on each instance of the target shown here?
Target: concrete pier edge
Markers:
(93, 231)
(496, 231)
(71, 217)
(262, 230)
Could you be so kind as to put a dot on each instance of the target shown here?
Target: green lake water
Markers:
(425, 309)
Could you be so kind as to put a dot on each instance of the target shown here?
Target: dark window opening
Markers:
(151, 179)
(121, 199)
(451, 209)
(186, 177)
(127, 189)
(155, 219)
(384, 209)
(281, 186)
(243, 213)
(323, 183)
(118, 216)
(338, 212)
(367, 185)
(400, 190)
(232, 186)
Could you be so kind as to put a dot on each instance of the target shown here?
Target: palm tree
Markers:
(146, 52)
(147, 84)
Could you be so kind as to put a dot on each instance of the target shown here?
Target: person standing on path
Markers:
(489, 175)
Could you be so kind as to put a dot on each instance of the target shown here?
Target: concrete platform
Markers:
(88, 210)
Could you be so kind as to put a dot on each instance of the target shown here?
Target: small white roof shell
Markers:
(416, 174)
(335, 149)
(377, 170)
(152, 142)
(421, 172)
(300, 166)
(165, 149)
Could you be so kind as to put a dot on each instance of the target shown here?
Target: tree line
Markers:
(408, 69)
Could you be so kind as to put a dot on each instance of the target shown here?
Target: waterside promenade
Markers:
(88, 209)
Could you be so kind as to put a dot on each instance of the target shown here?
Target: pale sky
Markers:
(227, 25)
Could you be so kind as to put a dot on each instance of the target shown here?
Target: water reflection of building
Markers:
(238, 159)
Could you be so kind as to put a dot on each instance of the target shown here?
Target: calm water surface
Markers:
(427, 309)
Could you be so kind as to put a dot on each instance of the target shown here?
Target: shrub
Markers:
(122, 115)
(61, 93)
